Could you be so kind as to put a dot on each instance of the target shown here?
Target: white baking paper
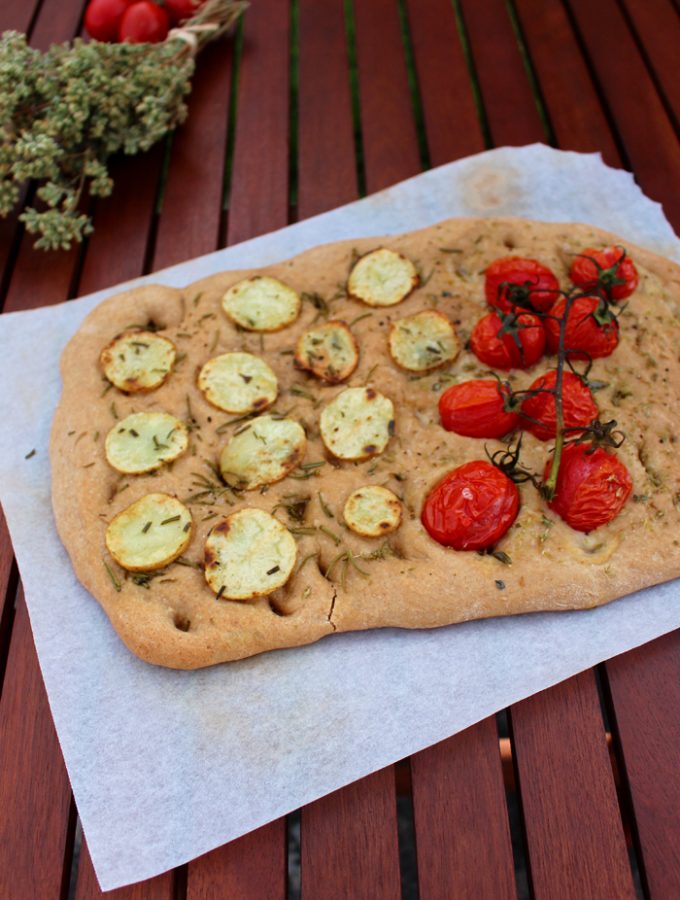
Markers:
(167, 765)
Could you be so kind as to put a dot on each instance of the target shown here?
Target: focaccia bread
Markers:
(333, 568)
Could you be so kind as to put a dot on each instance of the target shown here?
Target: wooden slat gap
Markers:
(513, 802)
(472, 73)
(293, 864)
(179, 883)
(293, 109)
(69, 852)
(350, 30)
(7, 620)
(152, 233)
(232, 112)
(414, 86)
(406, 830)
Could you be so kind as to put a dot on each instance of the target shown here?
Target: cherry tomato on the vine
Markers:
(609, 270)
(102, 18)
(180, 10)
(539, 414)
(585, 337)
(143, 23)
(592, 486)
(519, 348)
(476, 408)
(472, 507)
(516, 281)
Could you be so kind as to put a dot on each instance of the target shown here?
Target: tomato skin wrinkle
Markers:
(515, 278)
(539, 414)
(503, 352)
(476, 408)
(472, 507)
(592, 487)
(102, 18)
(584, 337)
(609, 269)
(143, 23)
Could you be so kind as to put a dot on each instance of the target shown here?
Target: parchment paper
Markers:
(167, 765)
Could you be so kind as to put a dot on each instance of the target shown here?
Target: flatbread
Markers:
(407, 580)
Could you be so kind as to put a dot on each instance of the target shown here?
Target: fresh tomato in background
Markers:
(539, 414)
(504, 352)
(102, 18)
(143, 23)
(592, 487)
(609, 270)
(472, 507)
(181, 10)
(476, 408)
(594, 339)
(523, 280)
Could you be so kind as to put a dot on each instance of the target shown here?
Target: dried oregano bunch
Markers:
(65, 112)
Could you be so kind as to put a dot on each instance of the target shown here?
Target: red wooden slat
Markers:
(349, 842)
(34, 826)
(16, 15)
(56, 22)
(651, 144)
(250, 868)
(258, 199)
(577, 117)
(327, 172)
(160, 888)
(506, 92)
(644, 688)
(575, 841)
(657, 25)
(461, 820)
(387, 124)
(190, 218)
(451, 122)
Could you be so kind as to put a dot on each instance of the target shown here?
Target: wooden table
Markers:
(315, 103)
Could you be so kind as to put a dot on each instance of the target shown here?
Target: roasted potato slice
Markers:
(150, 533)
(263, 451)
(249, 554)
(382, 278)
(238, 383)
(372, 510)
(138, 361)
(261, 303)
(423, 341)
(329, 351)
(143, 442)
(357, 424)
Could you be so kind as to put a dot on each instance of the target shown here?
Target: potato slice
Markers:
(329, 351)
(382, 278)
(138, 361)
(238, 383)
(261, 303)
(357, 424)
(249, 554)
(143, 442)
(372, 511)
(423, 341)
(150, 533)
(262, 452)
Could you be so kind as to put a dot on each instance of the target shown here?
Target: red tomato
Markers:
(476, 408)
(578, 405)
(143, 23)
(503, 352)
(180, 10)
(102, 18)
(472, 507)
(584, 337)
(591, 487)
(609, 270)
(516, 281)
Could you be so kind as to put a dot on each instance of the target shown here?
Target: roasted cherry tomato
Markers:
(539, 414)
(180, 10)
(476, 408)
(592, 486)
(102, 18)
(585, 337)
(609, 270)
(472, 507)
(515, 281)
(519, 348)
(143, 23)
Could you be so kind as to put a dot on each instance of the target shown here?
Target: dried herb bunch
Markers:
(66, 112)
